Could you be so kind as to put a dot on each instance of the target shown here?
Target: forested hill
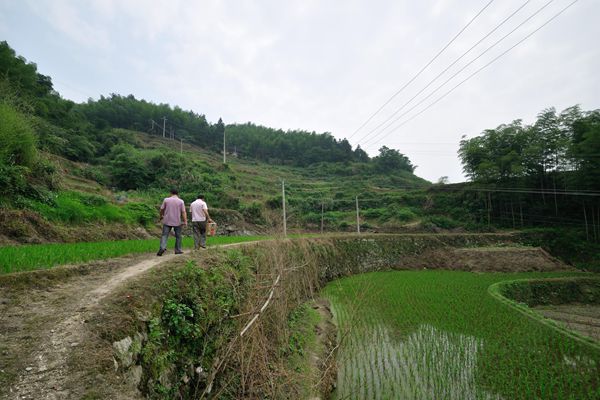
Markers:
(106, 162)
(81, 131)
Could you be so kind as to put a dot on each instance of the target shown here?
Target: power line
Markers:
(451, 65)
(469, 77)
(455, 74)
(422, 69)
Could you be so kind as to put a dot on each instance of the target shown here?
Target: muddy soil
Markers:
(323, 360)
(582, 318)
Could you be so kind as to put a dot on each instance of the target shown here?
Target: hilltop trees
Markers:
(390, 160)
(557, 149)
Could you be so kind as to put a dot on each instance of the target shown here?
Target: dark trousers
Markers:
(199, 228)
(166, 230)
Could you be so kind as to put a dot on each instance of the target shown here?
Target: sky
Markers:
(324, 66)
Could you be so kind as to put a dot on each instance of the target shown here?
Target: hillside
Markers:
(98, 170)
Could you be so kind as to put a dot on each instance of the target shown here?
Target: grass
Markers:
(43, 256)
(439, 334)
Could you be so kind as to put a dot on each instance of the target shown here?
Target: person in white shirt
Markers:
(200, 215)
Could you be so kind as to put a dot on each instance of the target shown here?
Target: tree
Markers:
(390, 160)
(360, 155)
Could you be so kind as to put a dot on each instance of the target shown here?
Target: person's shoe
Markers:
(161, 252)
(179, 252)
(204, 247)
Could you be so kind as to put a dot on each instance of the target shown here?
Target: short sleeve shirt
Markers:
(173, 208)
(197, 209)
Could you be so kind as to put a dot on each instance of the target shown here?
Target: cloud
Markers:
(67, 18)
(326, 66)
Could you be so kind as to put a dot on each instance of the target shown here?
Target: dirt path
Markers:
(44, 325)
(41, 327)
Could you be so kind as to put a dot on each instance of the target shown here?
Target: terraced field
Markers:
(43, 256)
(439, 334)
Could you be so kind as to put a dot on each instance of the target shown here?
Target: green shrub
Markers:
(252, 212)
(17, 138)
(441, 221)
(140, 213)
(405, 215)
(274, 203)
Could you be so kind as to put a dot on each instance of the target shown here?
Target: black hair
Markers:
(174, 191)
(201, 196)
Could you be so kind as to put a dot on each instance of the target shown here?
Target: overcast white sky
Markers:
(321, 66)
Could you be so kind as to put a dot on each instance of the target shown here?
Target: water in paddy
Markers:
(427, 364)
(440, 335)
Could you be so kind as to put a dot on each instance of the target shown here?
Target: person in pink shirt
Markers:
(172, 212)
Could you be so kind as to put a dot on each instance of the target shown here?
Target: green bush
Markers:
(405, 215)
(441, 221)
(17, 138)
(252, 212)
(140, 213)
(274, 203)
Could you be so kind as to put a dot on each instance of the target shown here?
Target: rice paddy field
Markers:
(43, 256)
(441, 335)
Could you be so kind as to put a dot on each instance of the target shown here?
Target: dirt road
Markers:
(39, 328)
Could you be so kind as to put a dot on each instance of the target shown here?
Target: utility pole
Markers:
(283, 202)
(322, 209)
(164, 126)
(224, 150)
(180, 146)
(357, 217)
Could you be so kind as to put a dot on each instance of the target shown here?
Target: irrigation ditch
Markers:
(225, 324)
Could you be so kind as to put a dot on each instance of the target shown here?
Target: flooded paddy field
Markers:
(439, 334)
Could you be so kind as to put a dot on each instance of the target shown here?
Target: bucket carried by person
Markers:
(211, 229)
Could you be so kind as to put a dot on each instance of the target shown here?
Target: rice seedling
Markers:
(43, 256)
(439, 334)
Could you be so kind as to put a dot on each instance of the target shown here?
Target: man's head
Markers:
(174, 191)
(201, 196)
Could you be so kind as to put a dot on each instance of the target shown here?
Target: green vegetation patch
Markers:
(439, 334)
(193, 325)
(42, 256)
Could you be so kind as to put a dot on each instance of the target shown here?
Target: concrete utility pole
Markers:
(322, 209)
(283, 202)
(164, 126)
(224, 149)
(357, 217)
(180, 146)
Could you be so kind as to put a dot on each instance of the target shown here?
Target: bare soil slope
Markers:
(487, 259)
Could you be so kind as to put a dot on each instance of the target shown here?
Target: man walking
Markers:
(172, 211)
(200, 216)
